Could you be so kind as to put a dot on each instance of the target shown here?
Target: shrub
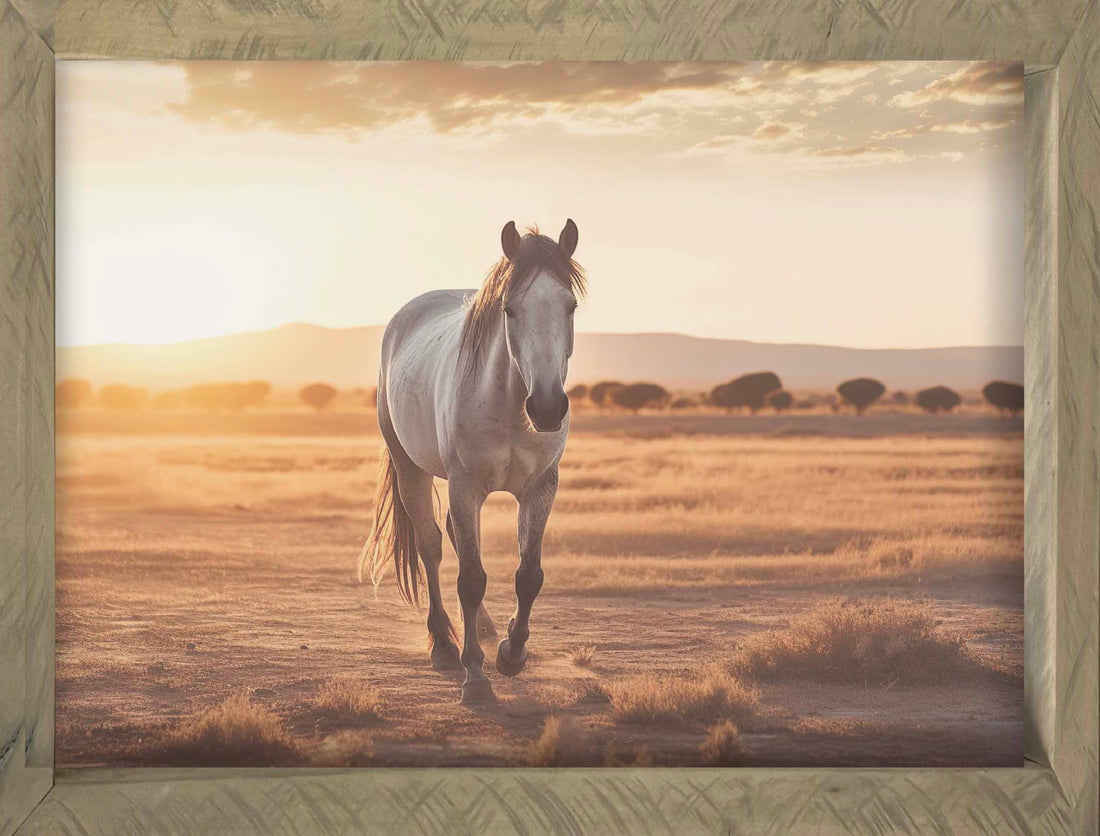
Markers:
(120, 396)
(317, 395)
(256, 392)
(578, 392)
(234, 733)
(748, 390)
(780, 400)
(638, 395)
(938, 399)
(861, 392)
(899, 398)
(562, 743)
(713, 695)
(72, 393)
(598, 393)
(345, 699)
(722, 746)
(683, 402)
(1007, 397)
(855, 641)
(582, 655)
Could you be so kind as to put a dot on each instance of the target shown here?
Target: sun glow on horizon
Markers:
(864, 205)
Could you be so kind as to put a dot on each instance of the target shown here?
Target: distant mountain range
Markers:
(296, 354)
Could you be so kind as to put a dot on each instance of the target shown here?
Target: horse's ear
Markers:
(567, 241)
(509, 240)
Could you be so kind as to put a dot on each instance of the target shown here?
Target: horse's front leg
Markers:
(465, 513)
(534, 510)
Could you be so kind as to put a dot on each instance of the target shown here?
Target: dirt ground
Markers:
(201, 557)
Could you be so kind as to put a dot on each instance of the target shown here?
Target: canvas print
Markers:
(539, 414)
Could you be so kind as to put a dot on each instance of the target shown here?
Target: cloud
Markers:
(966, 126)
(979, 83)
(817, 72)
(855, 151)
(349, 98)
(732, 113)
(771, 130)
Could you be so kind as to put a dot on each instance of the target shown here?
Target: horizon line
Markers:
(301, 324)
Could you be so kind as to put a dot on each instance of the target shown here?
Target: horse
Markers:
(471, 389)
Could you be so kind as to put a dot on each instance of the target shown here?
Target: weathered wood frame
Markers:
(1059, 41)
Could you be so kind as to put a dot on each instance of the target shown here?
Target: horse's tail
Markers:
(391, 536)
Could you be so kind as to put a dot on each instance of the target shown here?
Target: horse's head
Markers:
(538, 318)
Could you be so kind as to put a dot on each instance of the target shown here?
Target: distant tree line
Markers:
(74, 393)
(760, 390)
(752, 392)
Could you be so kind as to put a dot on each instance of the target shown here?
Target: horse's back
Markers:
(421, 322)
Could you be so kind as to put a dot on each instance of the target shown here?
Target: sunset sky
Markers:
(860, 204)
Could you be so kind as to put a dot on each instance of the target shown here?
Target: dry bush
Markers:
(234, 733)
(582, 655)
(636, 396)
(562, 743)
(722, 746)
(591, 691)
(345, 699)
(854, 641)
(348, 748)
(715, 694)
(861, 392)
(72, 393)
(318, 395)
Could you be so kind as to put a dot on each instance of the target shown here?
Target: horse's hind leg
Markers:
(416, 495)
(485, 627)
(534, 510)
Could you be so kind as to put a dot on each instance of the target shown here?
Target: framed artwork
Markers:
(554, 421)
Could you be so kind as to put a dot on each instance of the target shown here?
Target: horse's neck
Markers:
(497, 372)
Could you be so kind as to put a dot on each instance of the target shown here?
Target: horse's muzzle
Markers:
(547, 412)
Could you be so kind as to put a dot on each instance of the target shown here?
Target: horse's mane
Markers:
(535, 252)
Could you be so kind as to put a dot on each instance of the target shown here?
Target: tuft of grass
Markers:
(633, 758)
(348, 748)
(591, 691)
(854, 641)
(716, 694)
(345, 699)
(234, 733)
(722, 746)
(562, 743)
(582, 655)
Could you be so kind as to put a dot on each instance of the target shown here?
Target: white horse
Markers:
(471, 389)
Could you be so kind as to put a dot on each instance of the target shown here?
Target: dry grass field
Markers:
(764, 590)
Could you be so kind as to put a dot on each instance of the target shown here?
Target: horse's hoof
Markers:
(506, 664)
(477, 692)
(445, 657)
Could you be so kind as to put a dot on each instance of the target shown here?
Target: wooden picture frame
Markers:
(1056, 792)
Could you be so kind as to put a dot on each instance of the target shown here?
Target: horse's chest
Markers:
(524, 464)
(511, 466)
